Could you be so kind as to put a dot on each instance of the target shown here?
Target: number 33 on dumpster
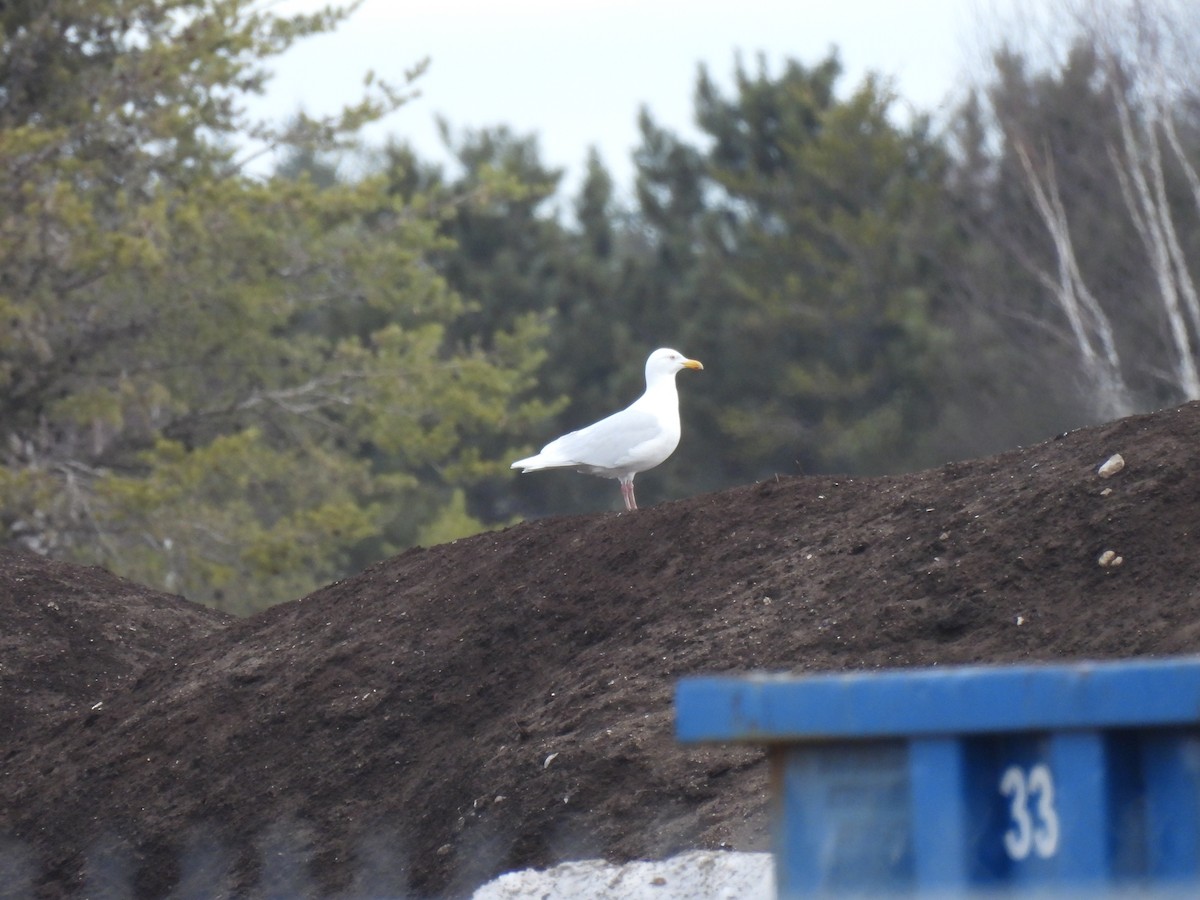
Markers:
(1033, 819)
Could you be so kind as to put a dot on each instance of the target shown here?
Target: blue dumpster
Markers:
(1066, 780)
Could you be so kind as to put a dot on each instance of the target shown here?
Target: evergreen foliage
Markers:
(825, 222)
(232, 387)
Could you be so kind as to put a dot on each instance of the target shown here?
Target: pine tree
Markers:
(232, 387)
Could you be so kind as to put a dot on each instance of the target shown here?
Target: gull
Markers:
(633, 440)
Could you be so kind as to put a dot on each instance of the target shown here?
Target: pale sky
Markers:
(576, 72)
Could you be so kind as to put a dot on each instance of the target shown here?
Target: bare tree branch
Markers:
(1139, 172)
(1090, 326)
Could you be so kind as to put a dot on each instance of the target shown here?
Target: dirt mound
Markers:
(74, 636)
(505, 700)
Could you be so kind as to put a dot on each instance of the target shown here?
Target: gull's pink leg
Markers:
(627, 494)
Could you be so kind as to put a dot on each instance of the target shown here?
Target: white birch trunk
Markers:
(1090, 326)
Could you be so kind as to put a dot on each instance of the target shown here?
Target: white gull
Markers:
(633, 440)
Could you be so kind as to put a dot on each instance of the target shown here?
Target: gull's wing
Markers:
(606, 444)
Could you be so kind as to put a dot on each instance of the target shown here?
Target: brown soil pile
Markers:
(506, 700)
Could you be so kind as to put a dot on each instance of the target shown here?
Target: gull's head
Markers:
(666, 362)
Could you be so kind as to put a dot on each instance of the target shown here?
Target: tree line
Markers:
(239, 387)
